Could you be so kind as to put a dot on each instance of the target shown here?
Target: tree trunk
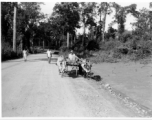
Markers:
(83, 34)
(67, 39)
(71, 40)
(21, 44)
(32, 47)
(91, 33)
(48, 43)
(39, 43)
(100, 28)
(83, 30)
(56, 44)
(14, 30)
(63, 37)
(59, 44)
(43, 44)
(74, 39)
(104, 21)
(95, 36)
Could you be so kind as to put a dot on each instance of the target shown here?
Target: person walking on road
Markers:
(25, 55)
(59, 63)
(49, 55)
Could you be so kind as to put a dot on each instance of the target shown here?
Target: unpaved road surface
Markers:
(35, 88)
(132, 79)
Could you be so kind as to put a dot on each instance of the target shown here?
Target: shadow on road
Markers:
(71, 73)
(35, 60)
(12, 61)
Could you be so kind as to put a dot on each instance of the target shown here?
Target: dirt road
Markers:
(132, 79)
(35, 88)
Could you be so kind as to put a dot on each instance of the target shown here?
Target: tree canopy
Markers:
(34, 28)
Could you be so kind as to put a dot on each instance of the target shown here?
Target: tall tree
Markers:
(31, 15)
(143, 24)
(150, 4)
(111, 33)
(87, 16)
(68, 16)
(7, 12)
(14, 28)
(121, 13)
(104, 8)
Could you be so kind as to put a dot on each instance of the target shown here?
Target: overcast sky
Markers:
(48, 8)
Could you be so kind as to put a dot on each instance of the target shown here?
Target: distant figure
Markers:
(49, 55)
(63, 64)
(59, 63)
(25, 55)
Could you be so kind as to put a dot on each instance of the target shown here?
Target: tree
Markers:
(104, 8)
(68, 16)
(143, 25)
(6, 21)
(111, 33)
(56, 30)
(150, 4)
(87, 16)
(121, 13)
(30, 16)
(8, 27)
(14, 28)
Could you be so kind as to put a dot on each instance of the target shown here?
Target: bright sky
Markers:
(48, 8)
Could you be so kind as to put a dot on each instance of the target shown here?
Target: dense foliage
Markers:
(36, 30)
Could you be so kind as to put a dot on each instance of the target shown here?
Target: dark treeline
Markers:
(35, 30)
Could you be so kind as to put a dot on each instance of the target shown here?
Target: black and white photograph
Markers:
(76, 59)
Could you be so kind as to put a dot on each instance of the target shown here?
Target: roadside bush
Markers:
(122, 50)
(139, 49)
(38, 49)
(116, 54)
(63, 48)
(127, 35)
(92, 45)
(109, 45)
(86, 54)
(103, 56)
(7, 52)
(144, 48)
(113, 50)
